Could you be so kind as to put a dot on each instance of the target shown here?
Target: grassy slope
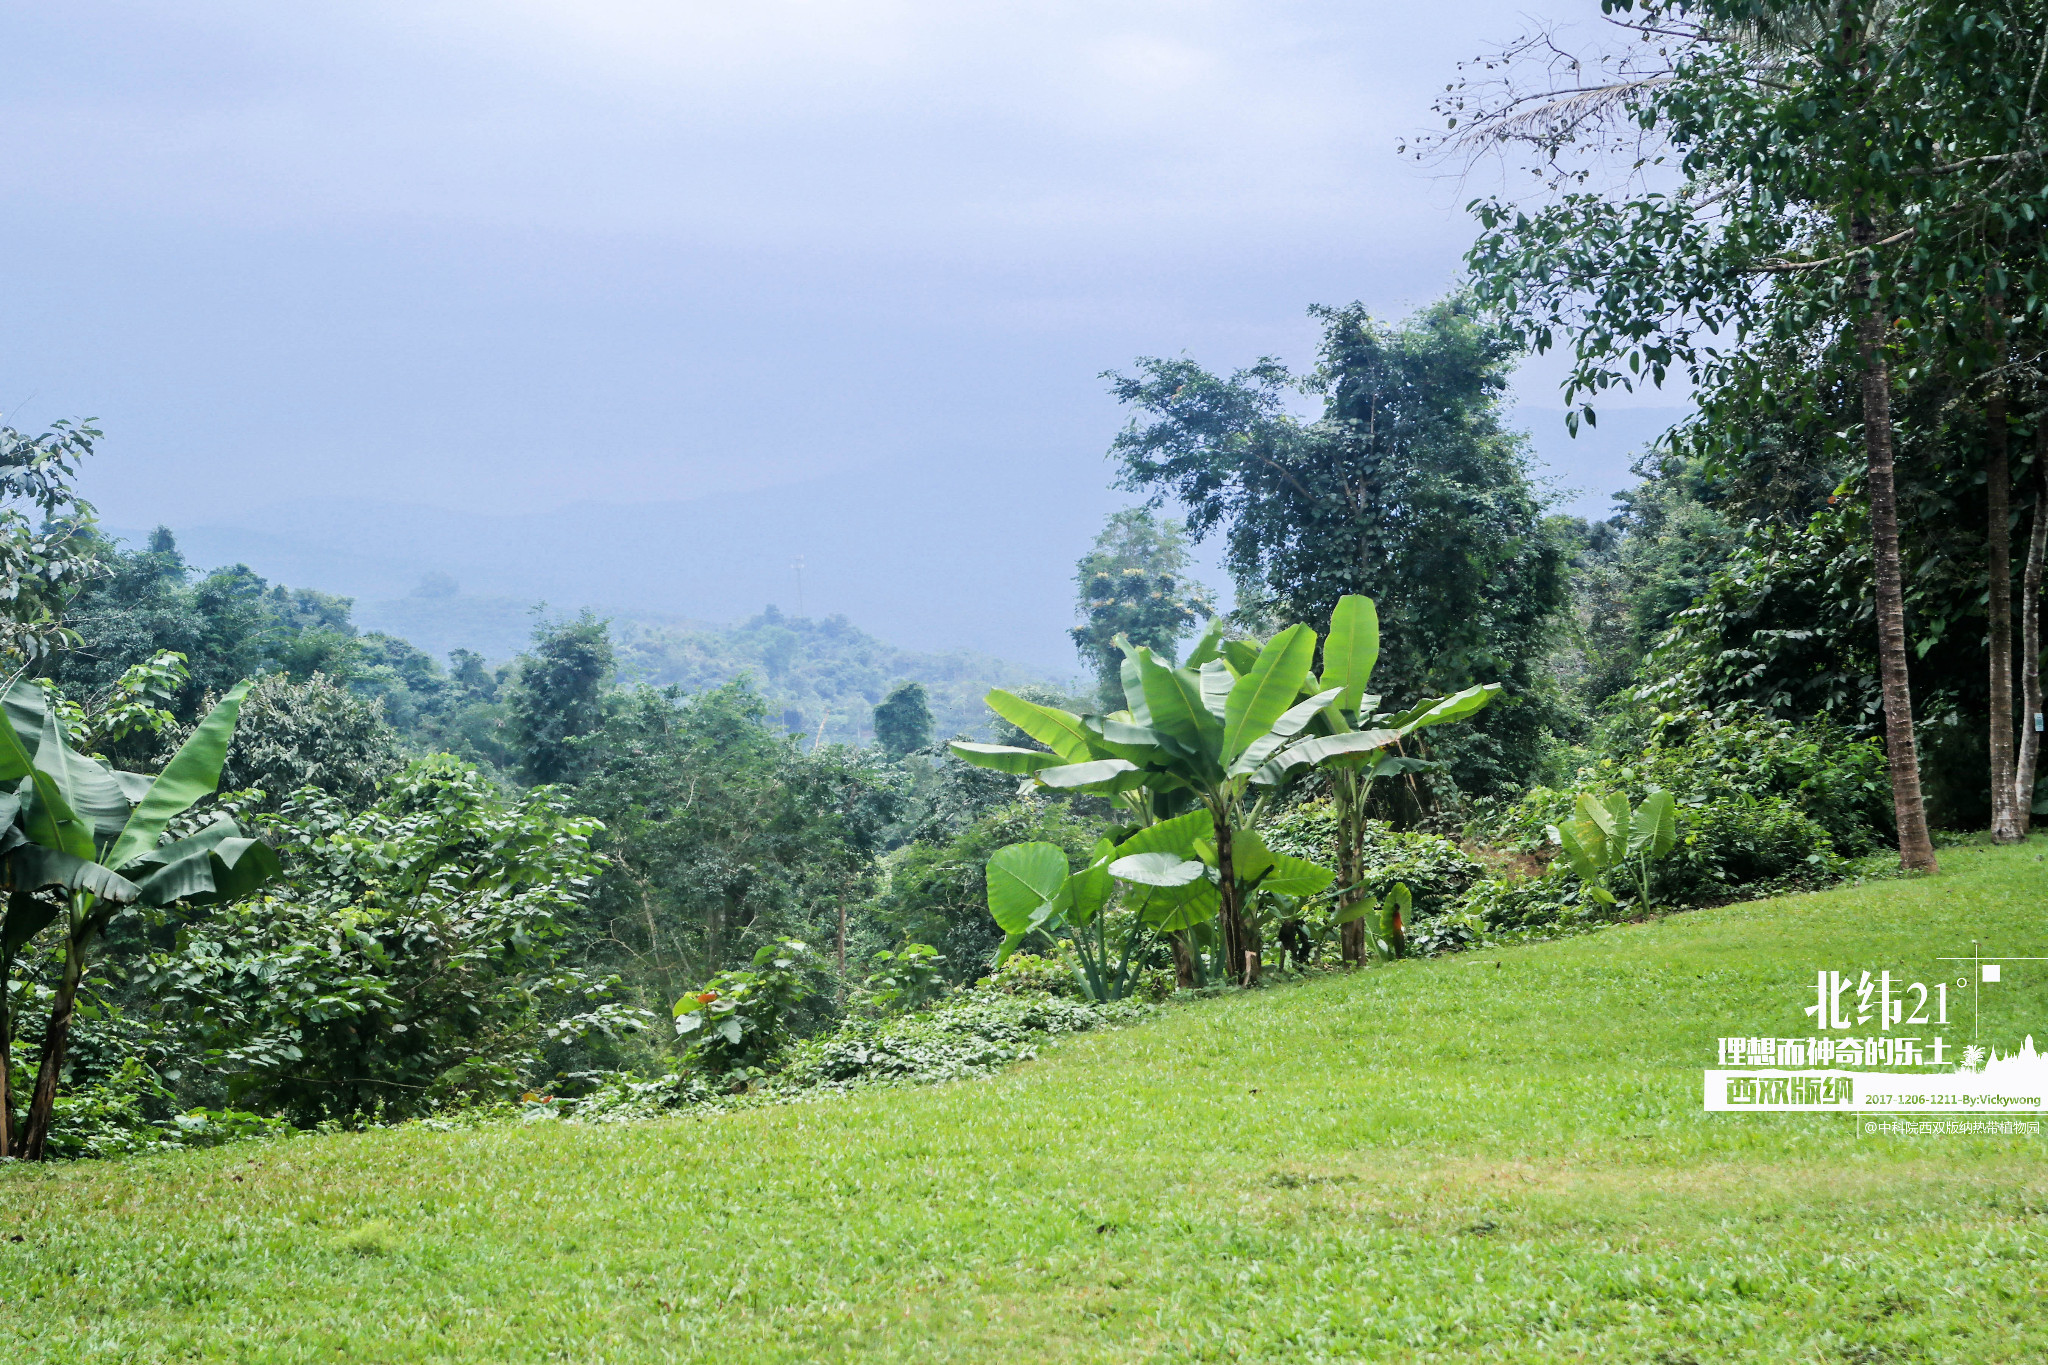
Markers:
(1495, 1156)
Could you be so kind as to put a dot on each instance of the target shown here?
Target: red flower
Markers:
(707, 997)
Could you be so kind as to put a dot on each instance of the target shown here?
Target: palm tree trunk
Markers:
(1998, 565)
(1916, 848)
(35, 1133)
(2025, 764)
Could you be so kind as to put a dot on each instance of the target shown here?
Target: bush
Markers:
(904, 982)
(971, 1035)
(1705, 759)
(1746, 845)
(1499, 905)
(415, 956)
(1436, 871)
(1027, 974)
(740, 1020)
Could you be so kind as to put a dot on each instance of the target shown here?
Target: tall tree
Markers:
(1823, 202)
(559, 696)
(903, 720)
(1134, 582)
(1409, 490)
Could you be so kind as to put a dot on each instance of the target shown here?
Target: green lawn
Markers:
(1498, 1156)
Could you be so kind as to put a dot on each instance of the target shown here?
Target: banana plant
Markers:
(84, 840)
(1190, 739)
(1355, 745)
(1608, 839)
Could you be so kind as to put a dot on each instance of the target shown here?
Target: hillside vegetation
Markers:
(1495, 1156)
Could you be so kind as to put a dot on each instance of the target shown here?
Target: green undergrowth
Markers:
(1496, 1155)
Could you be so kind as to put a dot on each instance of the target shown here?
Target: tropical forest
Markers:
(1323, 962)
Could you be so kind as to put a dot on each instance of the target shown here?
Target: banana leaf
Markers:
(192, 774)
(1004, 758)
(1263, 695)
(1352, 650)
(1059, 731)
(36, 867)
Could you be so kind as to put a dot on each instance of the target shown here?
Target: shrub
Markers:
(904, 982)
(1027, 974)
(1745, 844)
(740, 1020)
(971, 1035)
(1707, 758)
(1435, 870)
(416, 956)
(1528, 903)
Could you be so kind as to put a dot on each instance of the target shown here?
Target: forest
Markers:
(270, 872)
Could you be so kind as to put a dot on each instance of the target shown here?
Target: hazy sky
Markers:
(498, 257)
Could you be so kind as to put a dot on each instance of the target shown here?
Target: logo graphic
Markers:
(1863, 1071)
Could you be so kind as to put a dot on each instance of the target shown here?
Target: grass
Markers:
(1495, 1156)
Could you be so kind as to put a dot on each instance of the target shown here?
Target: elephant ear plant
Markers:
(83, 842)
(1607, 839)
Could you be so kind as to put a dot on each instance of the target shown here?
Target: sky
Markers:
(502, 260)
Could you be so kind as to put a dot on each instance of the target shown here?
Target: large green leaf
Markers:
(1091, 886)
(1210, 646)
(1352, 649)
(26, 704)
(217, 864)
(1169, 909)
(1116, 738)
(1291, 723)
(1157, 869)
(1443, 711)
(1023, 880)
(1263, 695)
(26, 916)
(1059, 731)
(36, 867)
(1103, 774)
(192, 775)
(1241, 655)
(1134, 684)
(1003, 758)
(1174, 696)
(1177, 835)
(1217, 680)
(1297, 877)
(1654, 828)
(1586, 856)
(1319, 749)
(89, 788)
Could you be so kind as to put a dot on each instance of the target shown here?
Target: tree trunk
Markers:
(1998, 566)
(1183, 960)
(2025, 764)
(1916, 848)
(1239, 939)
(35, 1134)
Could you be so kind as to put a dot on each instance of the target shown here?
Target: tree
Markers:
(559, 695)
(1408, 490)
(48, 549)
(903, 720)
(1846, 180)
(309, 734)
(1134, 583)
